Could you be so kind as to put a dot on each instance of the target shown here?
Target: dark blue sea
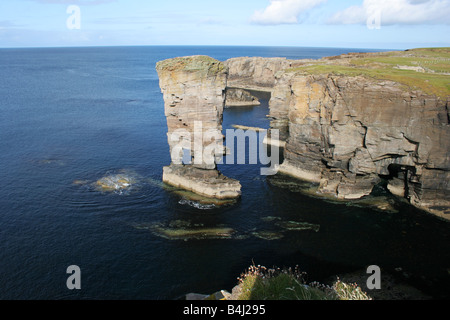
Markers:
(71, 116)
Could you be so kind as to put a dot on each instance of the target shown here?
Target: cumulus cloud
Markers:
(283, 11)
(396, 12)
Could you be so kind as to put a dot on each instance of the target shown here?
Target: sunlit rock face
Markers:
(345, 133)
(208, 183)
(240, 98)
(260, 74)
(194, 98)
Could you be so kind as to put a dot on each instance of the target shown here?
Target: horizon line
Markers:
(202, 45)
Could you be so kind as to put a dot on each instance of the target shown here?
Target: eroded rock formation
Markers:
(255, 73)
(240, 98)
(194, 97)
(344, 132)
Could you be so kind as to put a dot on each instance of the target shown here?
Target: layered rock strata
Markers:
(344, 131)
(207, 183)
(240, 98)
(255, 73)
(194, 95)
(259, 74)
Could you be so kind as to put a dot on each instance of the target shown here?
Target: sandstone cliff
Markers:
(349, 122)
(240, 98)
(347, 133)
(255, 73)
(194, 96)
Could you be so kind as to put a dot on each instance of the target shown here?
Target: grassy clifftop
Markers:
(203, 64)
(426, 69)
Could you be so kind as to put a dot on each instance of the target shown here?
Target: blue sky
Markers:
(384, 24)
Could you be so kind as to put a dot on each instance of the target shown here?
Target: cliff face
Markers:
(345, 131)
(254, 73)
(240, 98)
(194, 97)
(260, 74)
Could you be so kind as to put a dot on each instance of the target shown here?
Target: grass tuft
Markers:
(261, 283)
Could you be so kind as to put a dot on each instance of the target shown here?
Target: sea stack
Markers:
(194, 98)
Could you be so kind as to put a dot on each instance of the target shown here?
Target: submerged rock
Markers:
(50, 161)
(117, 182)
(203, 233)
(184, 230)
(80, 182)
(178, 224)
(381, 203)
(298, 226)
(200, 202)
(197, 205)
(376, 202)
(294, 185)
(268, 235)
(270, 218)
(120, 182)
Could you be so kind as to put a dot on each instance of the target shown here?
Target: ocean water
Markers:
(72, 116)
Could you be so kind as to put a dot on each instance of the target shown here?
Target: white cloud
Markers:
(284, 11)
(396, 12)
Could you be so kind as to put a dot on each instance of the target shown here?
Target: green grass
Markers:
(349, 291)
(434, 60)
(385, 66)
(281, 287)
(260, 283)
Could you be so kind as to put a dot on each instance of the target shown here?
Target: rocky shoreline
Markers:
(346, 122)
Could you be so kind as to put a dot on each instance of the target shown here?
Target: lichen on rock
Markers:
(202, 64)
